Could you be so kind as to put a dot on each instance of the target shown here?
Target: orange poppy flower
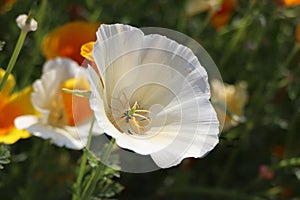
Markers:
(222, 16)
(291, 2)
(278, 151)
(12, 106)
(66, 40)
(5, 5)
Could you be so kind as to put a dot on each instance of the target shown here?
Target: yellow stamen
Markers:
(129, 119)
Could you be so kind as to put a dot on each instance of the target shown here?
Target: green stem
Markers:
(181, 23)
(83, 164)
(108, 150)
(228, 166)
(13, 58)
(40, 16)
(290, 57)
(204, 24)
(96, 175)
(291, 133)
(234, 41)
(238, 36)
(37, 152)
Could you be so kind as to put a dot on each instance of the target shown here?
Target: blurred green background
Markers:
(257, 45)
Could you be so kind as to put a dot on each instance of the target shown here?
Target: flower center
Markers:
(132, 120)
(62, 111)
(57, 116)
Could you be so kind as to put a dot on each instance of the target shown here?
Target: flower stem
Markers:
(290, 135)
(241, 32)
(37, 39)
(96, 175)
(13, 58)
(204, 24)
(83, 164)
(290, 57)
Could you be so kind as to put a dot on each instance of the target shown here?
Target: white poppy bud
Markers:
(23, 25)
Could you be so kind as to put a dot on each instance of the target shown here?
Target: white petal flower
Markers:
(21, 22)
(153, 95)
(65, 124)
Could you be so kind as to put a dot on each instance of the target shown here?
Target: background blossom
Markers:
(291, 2)
(235, 97)
(223, 14)
(6, 5)
(59, 111)
(66, 40)
(13, 105)
(220, 12)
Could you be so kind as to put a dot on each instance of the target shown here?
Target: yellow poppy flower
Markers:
(221, 11)
(193, 7)
(87, 50)
(12, 106)
(66, 40)
(236, 97)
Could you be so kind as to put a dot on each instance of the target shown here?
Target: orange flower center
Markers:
(68, 109)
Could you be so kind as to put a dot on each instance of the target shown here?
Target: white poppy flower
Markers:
(153, 95)
(58, 116)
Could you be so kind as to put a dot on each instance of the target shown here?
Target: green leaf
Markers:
(4, 156)
(92, 159)
(2, 43)
(79, 93)
(112, 189)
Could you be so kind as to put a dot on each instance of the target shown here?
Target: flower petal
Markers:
(66, 40)
(97, 104)
(112, 59)
(13, 136)
(17, 104)
(54, 73)
(9, 85)
(195, 139)
(87, 50)
(154, 71)
(59, 136)
(178, 78)
(66, 68)
(25, 121)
